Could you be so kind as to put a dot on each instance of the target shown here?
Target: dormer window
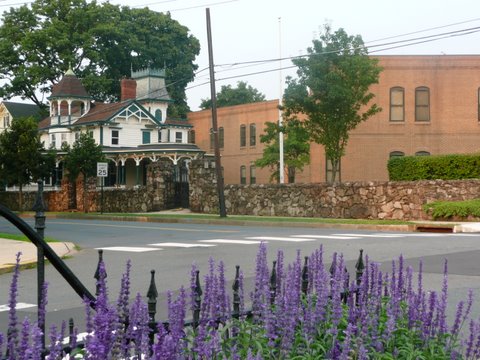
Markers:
(158, 114)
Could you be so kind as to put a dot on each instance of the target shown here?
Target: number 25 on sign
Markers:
(102, 169)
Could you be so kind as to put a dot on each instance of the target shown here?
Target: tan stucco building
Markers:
(431, 105)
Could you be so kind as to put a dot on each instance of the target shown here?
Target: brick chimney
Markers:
(128, 89)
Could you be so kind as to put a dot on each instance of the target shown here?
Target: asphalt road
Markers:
(162, 247)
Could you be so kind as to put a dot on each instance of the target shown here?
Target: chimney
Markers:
(128, 89)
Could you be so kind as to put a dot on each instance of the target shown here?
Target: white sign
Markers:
(102, 169)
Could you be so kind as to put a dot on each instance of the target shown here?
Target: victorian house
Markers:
(133, 132)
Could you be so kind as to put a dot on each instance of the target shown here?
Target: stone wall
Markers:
(355, 200)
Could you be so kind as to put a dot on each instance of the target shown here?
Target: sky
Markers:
(251, 30)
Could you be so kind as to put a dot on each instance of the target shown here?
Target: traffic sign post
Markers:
(102, 172)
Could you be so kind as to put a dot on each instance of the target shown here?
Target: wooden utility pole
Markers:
(218, 165)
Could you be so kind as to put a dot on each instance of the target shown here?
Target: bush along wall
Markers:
(445, 167)
(298, 311)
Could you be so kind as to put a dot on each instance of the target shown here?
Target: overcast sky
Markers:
(248, 30)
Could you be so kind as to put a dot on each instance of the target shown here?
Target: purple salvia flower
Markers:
(42, 307)
(12, 334)
(401, 279)
(280, 269)
(347, 342)
(193, 277)
(37, 343)
(427, 321)
(336, 295)
(442, 306)
(55, 349)
(386, 293)
(121, 346)
(223, 298)
(2, 339)
(24, 349)
(362, 353)
(458, 318)
(261, 294)
(176, 317)
(241, 292)
(138, 329)
(471, 339)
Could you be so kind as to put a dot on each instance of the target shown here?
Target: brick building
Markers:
(431, 105)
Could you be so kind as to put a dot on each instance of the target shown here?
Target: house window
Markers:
(115, 137)
(395, 154)
(159, 135)
(90, 133)
(178, 137)
(397, 104)
(53, 141)
(253, 135)
(243, 136)
(63, 138)
(145, 137)
(221, 137)
(329, 171)
(243, 175)
(253, 177)
(158, 114)
(422, 104)
(6, 121)
(191, 137)
(422, 153)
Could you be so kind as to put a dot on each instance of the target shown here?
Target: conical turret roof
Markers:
(70, 86)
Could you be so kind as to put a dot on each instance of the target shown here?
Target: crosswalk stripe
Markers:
(228, 241)
(128, 249)
(18, 306)
(180, 245)
(273, 238)
(327, 237)
(373, 235)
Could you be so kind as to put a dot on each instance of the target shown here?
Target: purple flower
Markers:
(12, 335)
(138, 329)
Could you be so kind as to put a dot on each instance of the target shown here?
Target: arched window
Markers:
(422, 153)
(395, 154)
(397, 104)
(158, 114)
(422, 104)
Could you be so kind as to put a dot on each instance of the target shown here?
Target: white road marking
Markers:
(273, 238)
(228, 241)
(327, 237)
(128, 249)
(374, 235)
(180, 245)
(19, 306)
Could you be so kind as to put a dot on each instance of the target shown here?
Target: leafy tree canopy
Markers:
(228, 96)
(332, 90)
(102, 42)
(296, 148)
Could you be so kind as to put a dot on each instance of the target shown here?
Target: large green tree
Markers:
(228, 96)
(101, 41)
(82, 158)
(23, 158)
(296, 148)
(332, 91)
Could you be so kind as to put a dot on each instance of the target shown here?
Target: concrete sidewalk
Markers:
(10, 248)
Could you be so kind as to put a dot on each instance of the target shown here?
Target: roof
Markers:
(69, 86)
(177, 122)
(102, 112)
(19, 110)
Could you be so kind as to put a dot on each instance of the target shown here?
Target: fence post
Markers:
(236, 296)
(39, 207)
(305, 276)
(273, 283)
(97, 272)
(152, 295)
(197, 291)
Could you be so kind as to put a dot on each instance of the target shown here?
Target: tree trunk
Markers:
(85, 195)
(72, 195)
(291, 174)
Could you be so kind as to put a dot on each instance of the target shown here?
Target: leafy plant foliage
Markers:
(228, 96)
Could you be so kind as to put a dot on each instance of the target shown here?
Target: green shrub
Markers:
(445, 167)
(450, 209)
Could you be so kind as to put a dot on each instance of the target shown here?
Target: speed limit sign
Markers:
(102, 169)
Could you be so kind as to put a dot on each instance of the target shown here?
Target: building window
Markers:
(422, 104)
(191, 137)
(422, 153)
(243, 175)
(145, 137)
(63, 138)
(243, 136)
(53, 141)
(178, 137)
(159, 136)
(329, 171)
(221, 137)
(6, 121)
(115, 137)
(253, 135)
(212, 139)
(395, 154)
(397, 104)
(90, 133)
(253, 176)
(158, 114)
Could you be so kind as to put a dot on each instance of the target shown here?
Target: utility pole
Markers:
(280, 134)
(218, 165)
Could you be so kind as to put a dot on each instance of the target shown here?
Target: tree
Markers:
(228, 96)
(23, 158)
(296, 148)
(332, 91)
(82, 159)
(101, 41)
